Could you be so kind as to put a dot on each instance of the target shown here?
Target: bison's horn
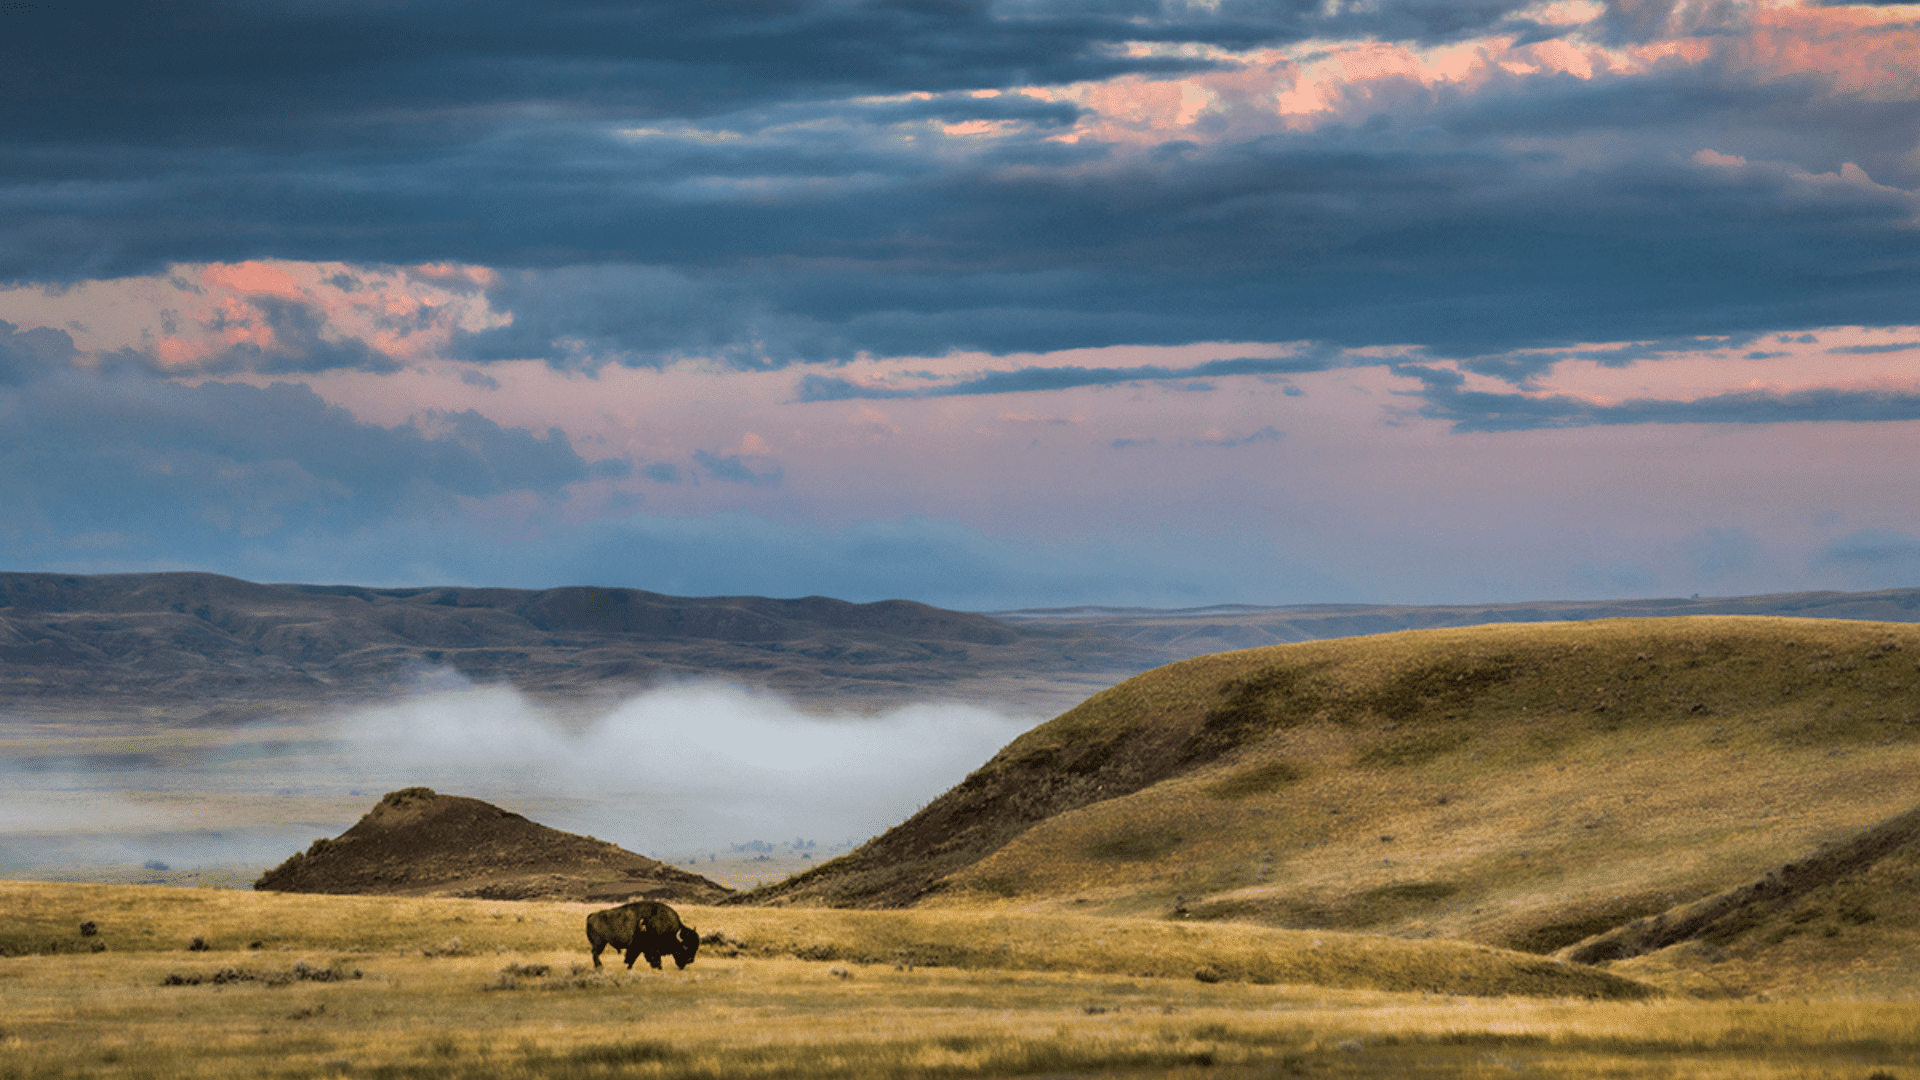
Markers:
(689, 946)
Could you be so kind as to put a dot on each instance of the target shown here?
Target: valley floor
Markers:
(305, 986)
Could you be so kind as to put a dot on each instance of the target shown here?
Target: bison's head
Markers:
(689, 945)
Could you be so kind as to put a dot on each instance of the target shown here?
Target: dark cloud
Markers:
(1523, 368)
(28, 354)
(1025, 380)
(1471, 410)
(116, 462)
(1279, 239)
(297, 344)
(1648, 20)
(736, 469)
(958, 108)
(1871, 350)
(374, 78)
(1873, 549)
(665, 180)
(1625, 356)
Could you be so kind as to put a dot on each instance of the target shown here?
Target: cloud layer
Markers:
(983, 303)
(824, 179)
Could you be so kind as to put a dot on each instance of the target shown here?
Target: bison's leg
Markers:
(632, 955)
(598, 945)
(653, 958)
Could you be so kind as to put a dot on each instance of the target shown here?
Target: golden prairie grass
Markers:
(237, 928)
(1521, 785)
(536, 1010)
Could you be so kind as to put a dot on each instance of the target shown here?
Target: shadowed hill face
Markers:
(1846, 916)
(1517, 785)
(418, 842)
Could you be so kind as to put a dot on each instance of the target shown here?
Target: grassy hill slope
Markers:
(1520, 785)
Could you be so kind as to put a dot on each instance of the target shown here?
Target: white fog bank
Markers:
(681, 769)
(669, 773)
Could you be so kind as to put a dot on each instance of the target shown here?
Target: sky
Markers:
(984, 304)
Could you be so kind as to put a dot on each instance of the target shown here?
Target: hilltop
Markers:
(416, 842)
(1526, 786)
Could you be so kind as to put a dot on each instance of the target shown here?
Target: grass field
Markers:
(422, 988)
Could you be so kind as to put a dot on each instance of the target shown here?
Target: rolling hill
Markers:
(1526, 786)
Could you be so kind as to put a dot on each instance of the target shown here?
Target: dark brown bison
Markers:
(643, 928)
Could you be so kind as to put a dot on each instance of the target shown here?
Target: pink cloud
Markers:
(1836, 358)
(1294, 89)
(193, 317)
(1871, 53)
(252, 279)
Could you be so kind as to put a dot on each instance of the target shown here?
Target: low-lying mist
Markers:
(670, 773)
(682, 769)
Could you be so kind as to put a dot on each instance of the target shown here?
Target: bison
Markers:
(644, 927)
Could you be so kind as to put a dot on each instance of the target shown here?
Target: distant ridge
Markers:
(418, 842)
(207, 642)
(1181, 633)
(212, 649)
(1880, 606)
